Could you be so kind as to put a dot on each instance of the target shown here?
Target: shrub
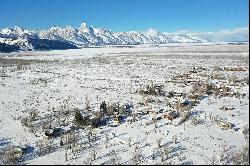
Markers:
(79, 118)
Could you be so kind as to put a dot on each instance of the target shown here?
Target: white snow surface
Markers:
(114, 74)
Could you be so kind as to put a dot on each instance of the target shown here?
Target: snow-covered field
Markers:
(52, 82)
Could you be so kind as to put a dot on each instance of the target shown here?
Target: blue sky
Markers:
(127, 15)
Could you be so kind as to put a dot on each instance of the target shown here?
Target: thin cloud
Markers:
(226, 35)
(237, 34)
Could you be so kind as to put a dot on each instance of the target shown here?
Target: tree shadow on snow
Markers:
(187, 163)
(4, 142)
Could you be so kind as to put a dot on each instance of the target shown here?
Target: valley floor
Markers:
(50, 83)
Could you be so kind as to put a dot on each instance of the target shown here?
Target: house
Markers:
(171, 115)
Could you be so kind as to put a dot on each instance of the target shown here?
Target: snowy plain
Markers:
(44, 80)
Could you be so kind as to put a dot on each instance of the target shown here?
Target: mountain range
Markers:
(71, 38)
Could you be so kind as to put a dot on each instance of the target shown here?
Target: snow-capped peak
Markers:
(54, 28)
(92, 35)
(6, 31)
(83, 24)
(18, 29)
(84, 28)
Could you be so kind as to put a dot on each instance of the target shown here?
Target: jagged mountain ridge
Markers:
(70, 38)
